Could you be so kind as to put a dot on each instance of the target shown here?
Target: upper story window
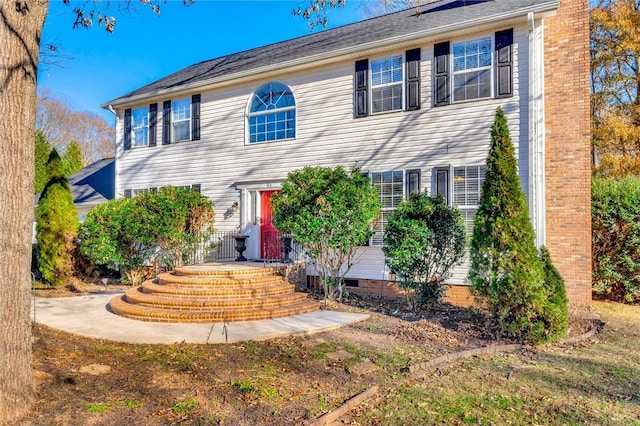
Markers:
(272, 114)
(181, 120)
(387, 77)
(387, 84)
(474, 69)
(140, 127)
(472, 65)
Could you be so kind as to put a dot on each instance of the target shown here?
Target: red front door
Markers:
(269, 236)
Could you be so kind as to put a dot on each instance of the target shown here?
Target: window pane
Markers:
(467, 187)
(472, 61)
(140, 127)
(390, 189)
(386, 81)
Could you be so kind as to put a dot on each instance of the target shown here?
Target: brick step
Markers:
(169, 278)
(136, 296)
(226, 270)
(237, 290)
(145, 313)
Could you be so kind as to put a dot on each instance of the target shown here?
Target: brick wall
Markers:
(567, 162)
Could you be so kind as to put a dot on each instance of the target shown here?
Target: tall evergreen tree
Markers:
(42, 151)
(505, 268)
(71, 159)
(56, 225)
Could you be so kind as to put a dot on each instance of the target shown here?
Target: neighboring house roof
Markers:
(94, 184)
(434, 18)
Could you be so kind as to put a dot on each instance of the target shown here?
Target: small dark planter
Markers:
(285, 246)
(241, 246)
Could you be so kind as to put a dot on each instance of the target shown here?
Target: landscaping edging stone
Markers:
(416, 369)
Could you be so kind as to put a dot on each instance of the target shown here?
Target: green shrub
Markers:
(179, 220)
(506, 270)
(128, 232)
(615, 221)
(56, 226)
(555, 312)
(423, 240)
(115, 235)
(329, 212)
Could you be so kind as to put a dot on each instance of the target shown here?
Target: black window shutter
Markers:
(127, 193)
(442, 89)
(412, 58)
(362, 80)
(196, 188)
(127, 128)
(153, 115)
(153, 190)
(504, 63)
(195, 117)
(441, 182)
(166, 122)
(412, 181)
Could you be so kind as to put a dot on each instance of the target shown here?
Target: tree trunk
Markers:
(21, 24)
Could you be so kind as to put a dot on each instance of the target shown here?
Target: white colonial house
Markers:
(408, 97)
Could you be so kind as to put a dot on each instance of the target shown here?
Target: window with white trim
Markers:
(393, 187)
(467, 186)
(472, 69)
(272, 114)
(181, 120)
(387, 84)
(140, 127)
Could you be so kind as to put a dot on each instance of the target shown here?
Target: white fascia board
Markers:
(351, 52)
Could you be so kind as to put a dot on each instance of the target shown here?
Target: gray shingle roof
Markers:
(94, 184)
(434, 17)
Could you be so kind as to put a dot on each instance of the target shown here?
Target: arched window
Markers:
(272, 114)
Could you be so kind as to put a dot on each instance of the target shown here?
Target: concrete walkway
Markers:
(89, 316)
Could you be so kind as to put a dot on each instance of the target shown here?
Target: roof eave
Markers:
(541, 11)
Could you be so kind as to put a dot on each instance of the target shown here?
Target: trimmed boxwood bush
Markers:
(615, 221)
(423, 240)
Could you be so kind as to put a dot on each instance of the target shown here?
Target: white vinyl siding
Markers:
(327, 135)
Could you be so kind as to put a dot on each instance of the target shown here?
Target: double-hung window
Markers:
(393, 187)
(472, 69)
(387, 82)
(181, 120)
(460, 186)
(140, 127)
(481, 68)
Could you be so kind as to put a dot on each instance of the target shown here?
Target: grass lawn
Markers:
(291, 381)
(590, 383)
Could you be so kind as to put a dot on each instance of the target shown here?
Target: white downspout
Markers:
(536, 131)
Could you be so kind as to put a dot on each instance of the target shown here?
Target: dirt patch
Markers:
(284, 381)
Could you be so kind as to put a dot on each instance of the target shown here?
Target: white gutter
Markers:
(537, 203)
(360, 50)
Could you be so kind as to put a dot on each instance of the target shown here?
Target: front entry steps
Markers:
(219, 292)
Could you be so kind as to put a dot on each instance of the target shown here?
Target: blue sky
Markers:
(92, 67)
